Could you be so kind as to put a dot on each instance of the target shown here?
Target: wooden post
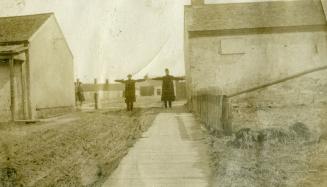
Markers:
(226, 116)
(76, 91)
(220, 112)
(23, 80)
(12, 88)
(206, 101)
(96, 95)
(28, 84)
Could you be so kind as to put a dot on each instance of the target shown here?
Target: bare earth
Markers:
(79, 149)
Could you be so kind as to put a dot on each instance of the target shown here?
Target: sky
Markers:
(113, 38)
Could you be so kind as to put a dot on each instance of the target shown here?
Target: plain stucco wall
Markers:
(51, 68)
(258, 59)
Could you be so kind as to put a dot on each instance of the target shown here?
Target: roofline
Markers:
(52, 15)
(14, 42)
(63, 35)
(189, 27)
(40, 28)
(46, 13)
(237, 3)
(23, 41)
(259, 30)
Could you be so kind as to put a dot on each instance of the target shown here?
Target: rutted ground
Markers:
(80, 149)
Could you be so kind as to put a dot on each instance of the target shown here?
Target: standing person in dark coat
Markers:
(80, 93)
(130, 91)
(168, 91)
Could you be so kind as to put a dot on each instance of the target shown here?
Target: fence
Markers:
(213, 111)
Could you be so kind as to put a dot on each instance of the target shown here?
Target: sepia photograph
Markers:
(163, 93)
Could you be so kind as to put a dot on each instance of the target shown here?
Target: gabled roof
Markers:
(252, 15)
(21, 28)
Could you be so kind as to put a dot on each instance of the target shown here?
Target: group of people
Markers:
(167, 96)
(168, 92)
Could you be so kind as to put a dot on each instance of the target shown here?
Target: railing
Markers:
(277, 82)
(215, 110)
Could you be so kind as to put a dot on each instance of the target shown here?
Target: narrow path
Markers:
(172, 153)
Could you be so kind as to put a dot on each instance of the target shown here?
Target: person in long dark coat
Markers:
(80, 93)
(168, 91)
(130, 91)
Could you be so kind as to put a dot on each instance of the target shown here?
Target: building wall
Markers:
(51, 69)
(234, 63)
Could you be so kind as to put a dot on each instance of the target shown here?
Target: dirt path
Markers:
(171, 154)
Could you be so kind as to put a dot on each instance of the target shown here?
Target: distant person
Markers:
(129, 91)
(168, 91)
(80, 93)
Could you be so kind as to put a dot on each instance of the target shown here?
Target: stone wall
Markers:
(234, 63)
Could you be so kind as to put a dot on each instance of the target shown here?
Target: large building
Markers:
(264, 61)
(234, 46)
(36, 68)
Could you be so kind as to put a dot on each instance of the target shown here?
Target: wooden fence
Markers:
(213, 111)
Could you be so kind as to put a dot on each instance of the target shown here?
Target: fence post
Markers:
(207, 111)
(12, 88)
(96, 95)
(202, 108)
(226, 116)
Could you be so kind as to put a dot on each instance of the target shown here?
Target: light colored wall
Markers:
(52, 73)
(258, 59)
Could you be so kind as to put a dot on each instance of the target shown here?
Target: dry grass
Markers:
(79, 150)
(267, 157)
